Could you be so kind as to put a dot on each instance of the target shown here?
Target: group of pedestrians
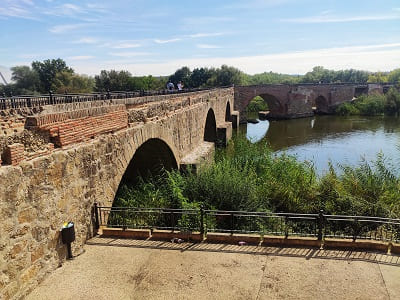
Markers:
(171, 86)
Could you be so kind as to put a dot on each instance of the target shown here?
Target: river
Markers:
(320, 139)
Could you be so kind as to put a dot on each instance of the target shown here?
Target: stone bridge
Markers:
(295, 101)
(68, 156)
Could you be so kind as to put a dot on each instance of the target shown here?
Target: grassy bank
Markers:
(251, 177)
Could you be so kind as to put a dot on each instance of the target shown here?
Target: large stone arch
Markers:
(150, 159)
(321, 104)
(274, 105)
(210, 127)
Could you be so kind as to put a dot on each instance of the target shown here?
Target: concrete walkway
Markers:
(132, 269)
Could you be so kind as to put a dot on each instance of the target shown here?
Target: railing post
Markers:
(51, 97)
(96, 216)
(286, 227)
(355, 229)
(172, 220)
(320, 224)
(232, 223)
(202, 219)
(108, 94)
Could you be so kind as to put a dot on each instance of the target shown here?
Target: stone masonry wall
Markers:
(37, 196)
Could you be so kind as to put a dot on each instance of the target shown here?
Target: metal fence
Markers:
(51, 99)
(318, 225)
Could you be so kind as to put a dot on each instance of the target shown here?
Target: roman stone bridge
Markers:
(66, 157)
(295, 101)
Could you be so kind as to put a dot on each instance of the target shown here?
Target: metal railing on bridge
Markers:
(20, 101)
(201, 220)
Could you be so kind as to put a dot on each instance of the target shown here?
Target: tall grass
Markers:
(251, 177)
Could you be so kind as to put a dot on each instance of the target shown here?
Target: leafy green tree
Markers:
(199, 77)
(113, 81)
(392, 103)
(394, 76)
(378, 77)
(73, 83)
(183, 74)
(48, 70)
(226, 76)
(26, 80)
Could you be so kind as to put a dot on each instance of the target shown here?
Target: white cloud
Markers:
(324, 18)
(65, 28)
(80, 57)
(207, 46)
(200, 35)
(129, 54)
(166, 41)
(380, 57)
(86, 40)
(125, 45)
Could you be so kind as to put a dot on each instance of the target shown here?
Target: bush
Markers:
(257, 104)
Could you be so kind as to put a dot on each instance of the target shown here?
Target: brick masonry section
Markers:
(70, 131)
(14, 154)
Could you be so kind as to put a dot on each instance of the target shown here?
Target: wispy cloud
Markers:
(17, 9)
(207, 46)
(166, 41)
(201, 35)
(80, 57)
(86, 40)
(65, 28)
(129, 54)
(324, 18)
(125, 45)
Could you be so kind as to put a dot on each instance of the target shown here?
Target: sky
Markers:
(157, 37)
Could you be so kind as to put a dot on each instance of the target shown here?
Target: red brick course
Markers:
(13, 154)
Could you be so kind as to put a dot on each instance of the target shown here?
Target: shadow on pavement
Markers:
(307, 253)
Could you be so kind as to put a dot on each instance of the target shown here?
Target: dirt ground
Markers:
(132, 269)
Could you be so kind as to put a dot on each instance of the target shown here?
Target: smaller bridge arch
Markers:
(210, 128)
(228, 117)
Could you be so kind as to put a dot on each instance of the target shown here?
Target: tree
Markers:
(183, 74)
(199, 77)
(113, 81)
(226, 76)
(394, 76)
(73, 83)
(26, 80)
(48, 70)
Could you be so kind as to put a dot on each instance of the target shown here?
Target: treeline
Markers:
(251, 177)
(53, 75)
(372, 105)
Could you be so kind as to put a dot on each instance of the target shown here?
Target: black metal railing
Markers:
(21, 101)
(318, 225)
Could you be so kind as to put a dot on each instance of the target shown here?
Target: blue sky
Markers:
(157, 37)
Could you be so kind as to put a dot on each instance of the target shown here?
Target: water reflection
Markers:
(330, 138)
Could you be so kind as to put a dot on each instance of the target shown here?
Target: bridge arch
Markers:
(228, 112)
(274, 105)
(149, 159)
(210, 128)
(321, 104)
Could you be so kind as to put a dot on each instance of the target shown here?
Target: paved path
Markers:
(131, 269)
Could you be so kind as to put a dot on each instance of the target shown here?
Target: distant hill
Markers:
(6, 73)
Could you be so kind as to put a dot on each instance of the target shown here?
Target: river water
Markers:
(320, 139)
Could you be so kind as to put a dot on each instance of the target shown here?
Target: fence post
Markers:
(286, 227)
(320, 224)
(231, 223)
(355, 229)
(96, 216)
(202, 219)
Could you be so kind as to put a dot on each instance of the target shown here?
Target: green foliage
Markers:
(48, 71)
(113, 81)
(346, 109)
(392, 104)
(26, 80)
(370, 105)
(321, 75)
(257, 104)
(73, 83)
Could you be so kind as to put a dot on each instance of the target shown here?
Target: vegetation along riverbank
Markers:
(252, 177)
